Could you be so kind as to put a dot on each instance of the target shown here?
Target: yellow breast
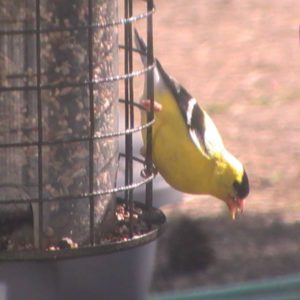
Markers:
(175, 156)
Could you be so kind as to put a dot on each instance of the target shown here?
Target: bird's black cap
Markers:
(242, 188)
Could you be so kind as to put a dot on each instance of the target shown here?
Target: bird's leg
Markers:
(145, 173)
(147, 105)
(143, 151)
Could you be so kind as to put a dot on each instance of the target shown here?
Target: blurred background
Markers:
(240, 59)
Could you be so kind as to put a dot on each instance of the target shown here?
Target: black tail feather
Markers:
(141, 46)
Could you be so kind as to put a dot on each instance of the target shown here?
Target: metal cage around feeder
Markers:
(59, 154)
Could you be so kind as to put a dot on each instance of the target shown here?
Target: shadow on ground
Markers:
(210, 252)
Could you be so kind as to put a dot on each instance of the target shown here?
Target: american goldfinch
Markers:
(188, 150)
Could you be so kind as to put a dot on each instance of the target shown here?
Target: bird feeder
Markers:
(59, 105)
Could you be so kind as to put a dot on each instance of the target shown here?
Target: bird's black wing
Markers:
(192, 114)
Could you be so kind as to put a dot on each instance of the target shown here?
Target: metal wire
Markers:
(40, 126)
(92, 123)
(122, 21)
(150, 96)
(97, 136)
(115, 190)
(79, 84)
(129, 116)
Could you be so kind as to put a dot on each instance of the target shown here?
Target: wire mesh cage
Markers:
(59, 106)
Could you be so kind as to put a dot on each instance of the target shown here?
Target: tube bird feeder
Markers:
(59, 134)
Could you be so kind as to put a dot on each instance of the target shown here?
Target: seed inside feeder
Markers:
(63, 161)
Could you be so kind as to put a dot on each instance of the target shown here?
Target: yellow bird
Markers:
(188, 150)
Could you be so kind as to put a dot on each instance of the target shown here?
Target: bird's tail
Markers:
(141, 47)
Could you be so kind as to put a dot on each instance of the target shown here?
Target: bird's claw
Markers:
(157, 107)
(146, 172)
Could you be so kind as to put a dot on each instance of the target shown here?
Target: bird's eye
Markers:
(242, 188)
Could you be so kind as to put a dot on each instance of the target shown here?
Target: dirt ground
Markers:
(240, 59)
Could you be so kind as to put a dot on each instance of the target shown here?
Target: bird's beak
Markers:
(235, 205)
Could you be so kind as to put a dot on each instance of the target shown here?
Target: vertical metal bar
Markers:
(131, 121)
(26, 94)
(150, 96)
(40, 124)
(129, 110)
(92, 122)
(130, 61)
(127, 150)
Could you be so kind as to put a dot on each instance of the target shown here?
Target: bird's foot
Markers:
(147, 105)
(146, 172)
